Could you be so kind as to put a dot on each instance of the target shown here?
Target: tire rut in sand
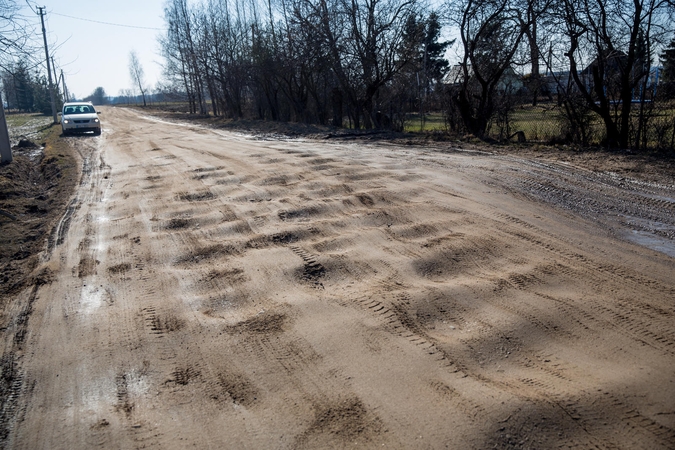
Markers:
(343, 422)
(338, 416)
(581, 419)
(549, 375)
(389, 307)
(648, 321)
(312, 271)
(236, 386)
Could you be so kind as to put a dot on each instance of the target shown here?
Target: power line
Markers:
(108, 23)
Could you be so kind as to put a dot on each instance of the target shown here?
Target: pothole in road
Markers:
(166, 323)
(183, 375)
(119, 268)
(285, 238)
(312, 270)
(347, 421)
(238, 388)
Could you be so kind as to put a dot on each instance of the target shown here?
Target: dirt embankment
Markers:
(35, 189)
(34, 192)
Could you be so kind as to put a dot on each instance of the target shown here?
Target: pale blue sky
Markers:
(94, 54)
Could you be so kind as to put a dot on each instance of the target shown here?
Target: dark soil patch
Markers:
(167, 323)
(232, 276)
(238, 387)
(261, 324)
(196, 196)
(208, 253)
(119, 268)
(34, 189)
(184, 375)
(86, 267)
(342, 424)
(178, 224)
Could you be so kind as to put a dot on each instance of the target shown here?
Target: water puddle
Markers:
(34, 154)
(29, 130)
(652, 241)
(649, 233)
(92, 298)
(96, 395)
(137, 383)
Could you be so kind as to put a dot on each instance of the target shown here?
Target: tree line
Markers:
(606, 66)
(26, 90)
(599, 62)
(368, 64)
(341, 62)
(24, 83)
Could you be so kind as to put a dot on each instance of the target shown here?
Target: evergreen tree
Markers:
(41, 98)
(23, 88)
(422, 48)
(425, 65)
(667, 60)
(437, 66)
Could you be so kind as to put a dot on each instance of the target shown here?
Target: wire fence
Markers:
(651, 127)
(544, 123)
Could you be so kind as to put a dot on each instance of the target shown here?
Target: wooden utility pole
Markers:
(65, 89)
(49, 66)
(5, 146)
(60, 81)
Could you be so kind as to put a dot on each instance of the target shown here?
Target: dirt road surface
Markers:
(211, 290)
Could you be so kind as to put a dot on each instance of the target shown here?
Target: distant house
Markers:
(554, 81)
(562, 81)
(454, 76)
(652, 83)
(613, 69)
(510, 80)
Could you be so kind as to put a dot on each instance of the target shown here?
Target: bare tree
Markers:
(616, 40)
(301, 60)
(182, 36)
(537, 15)
(491, 32)
(137, 74)
(361, 40)
(15, 34)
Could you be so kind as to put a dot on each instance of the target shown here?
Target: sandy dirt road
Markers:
(211, 290)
